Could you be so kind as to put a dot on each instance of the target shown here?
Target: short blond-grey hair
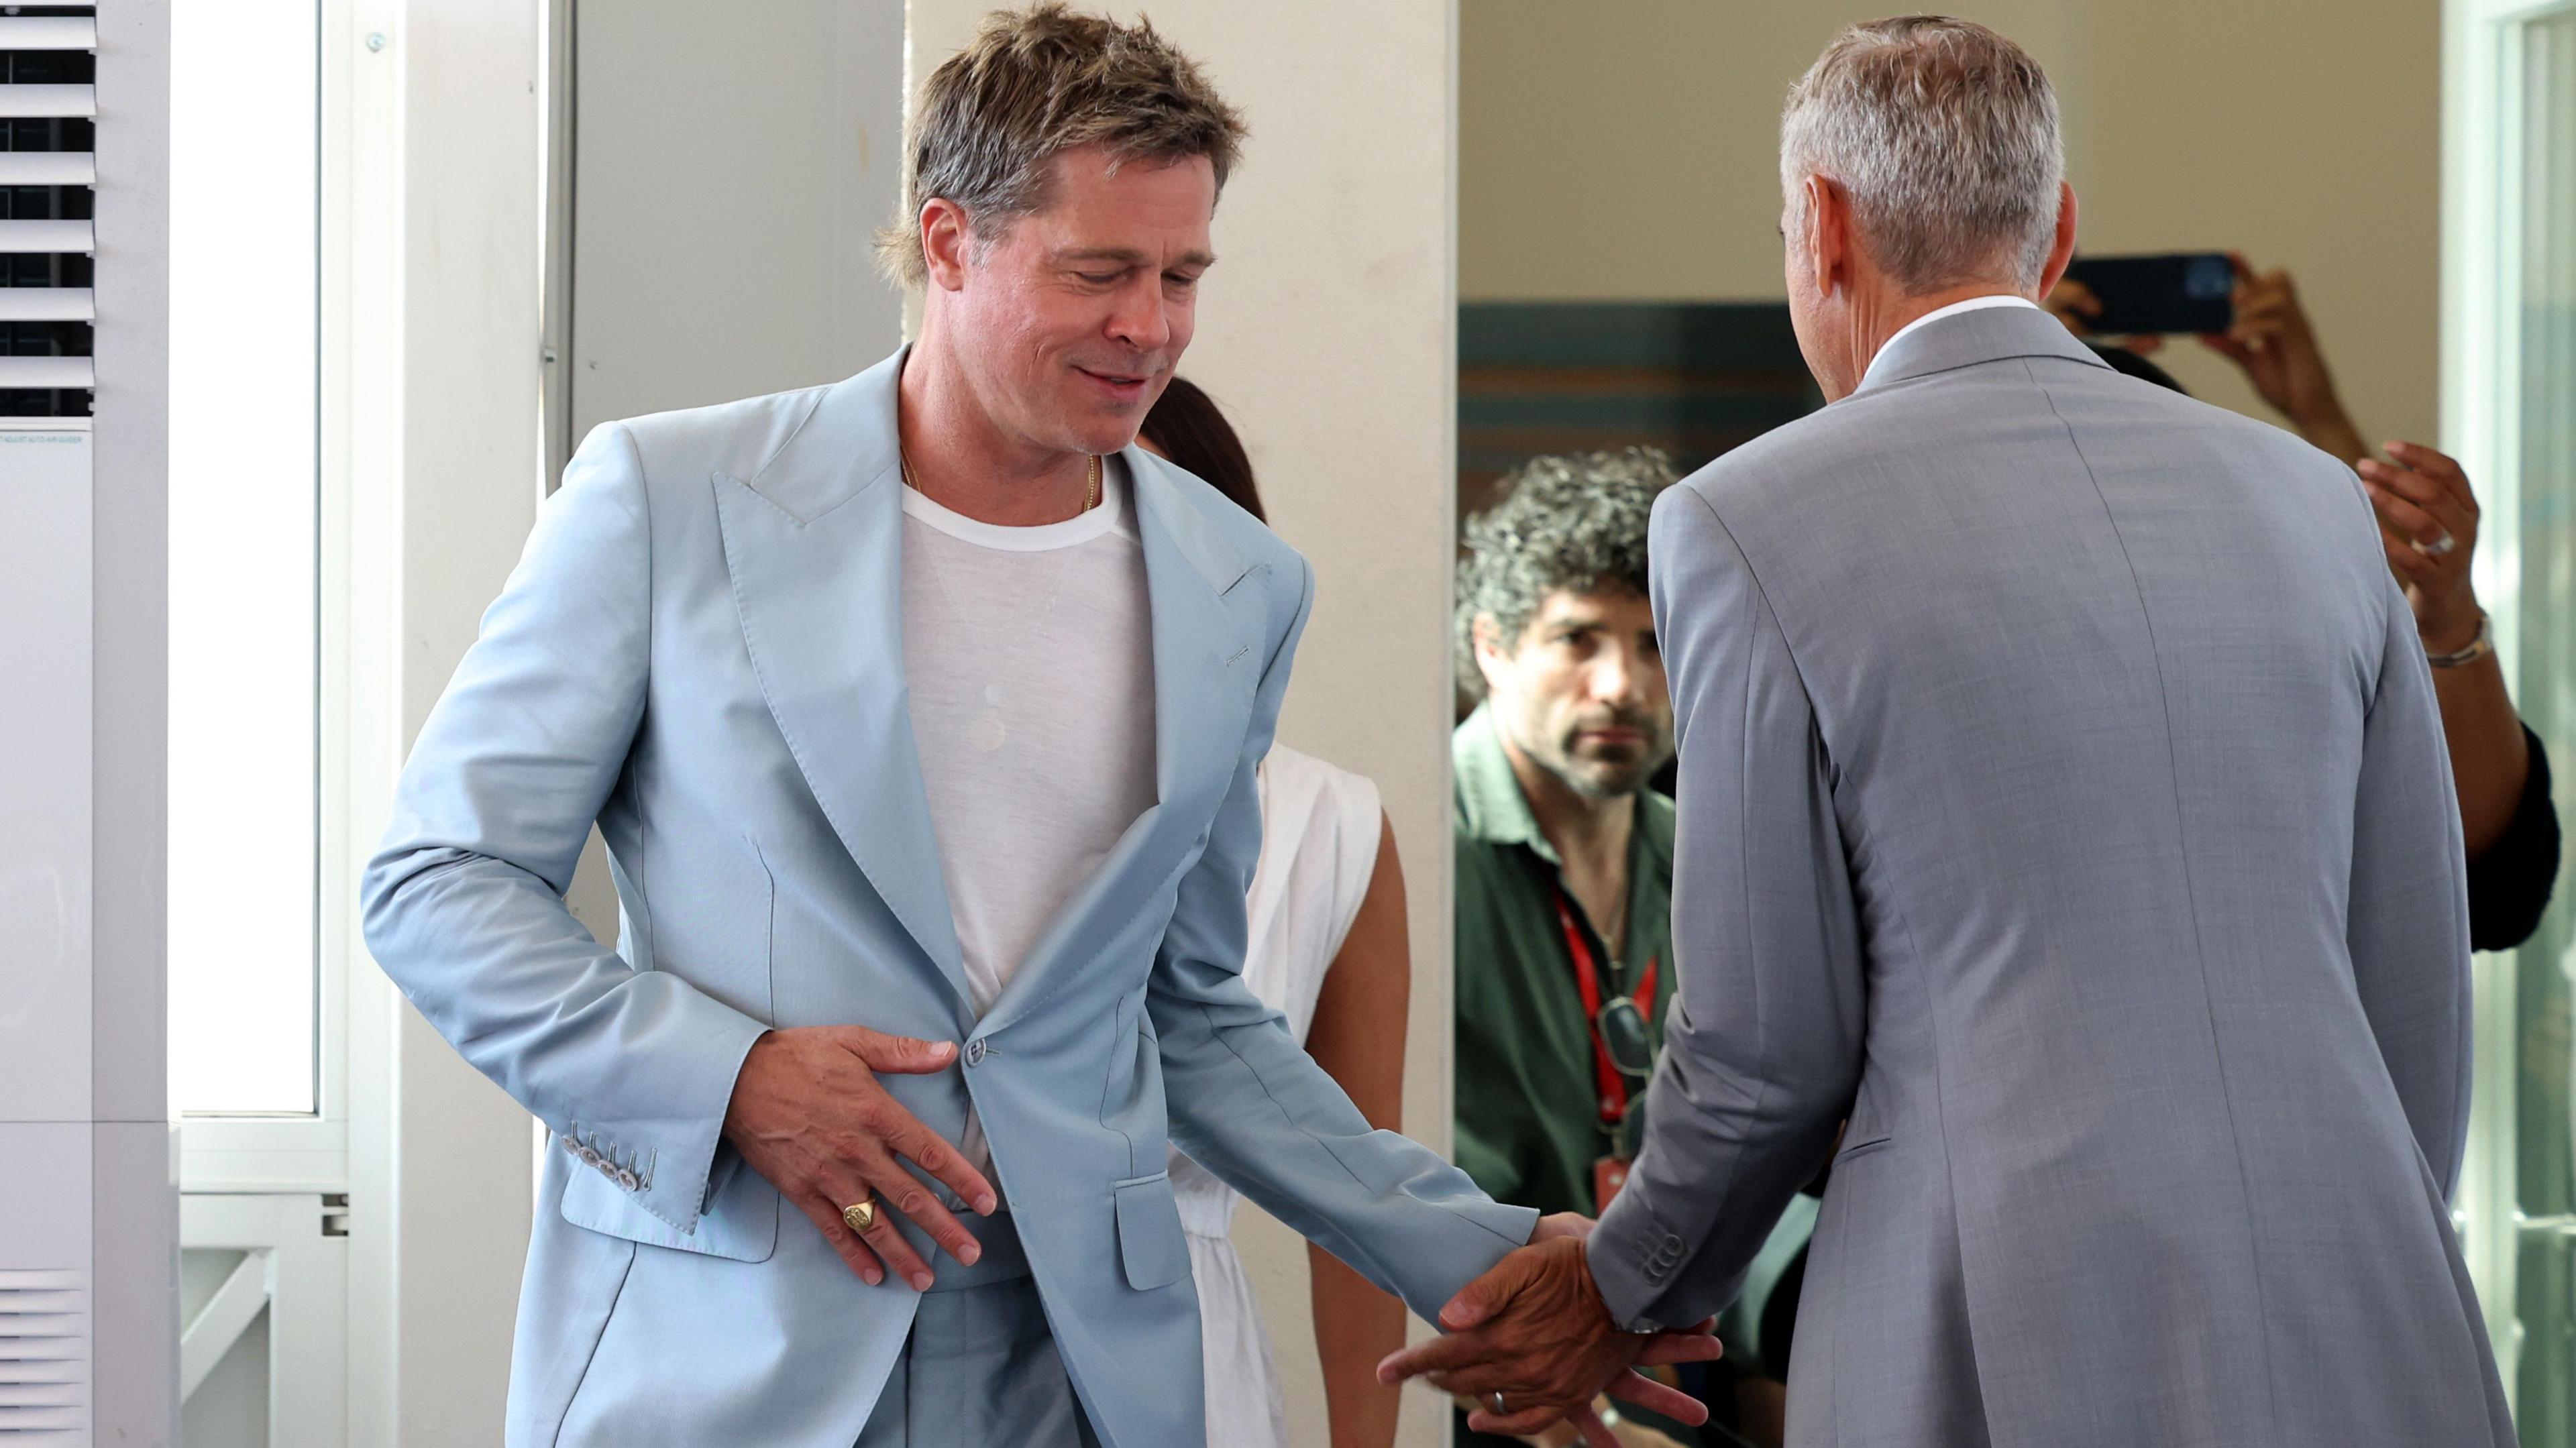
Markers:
(1944, 135)
(1031, 85)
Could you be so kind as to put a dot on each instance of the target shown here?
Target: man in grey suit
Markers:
(2062, 802)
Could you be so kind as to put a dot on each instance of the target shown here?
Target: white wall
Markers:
(730, 163)
(1327, 329)
(1630, 152)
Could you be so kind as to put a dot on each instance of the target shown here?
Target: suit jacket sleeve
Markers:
(2407, 918)
(1762, 1048)
(1249, 1104)
(464, 901)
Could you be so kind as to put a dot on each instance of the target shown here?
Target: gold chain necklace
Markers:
(1091, 490)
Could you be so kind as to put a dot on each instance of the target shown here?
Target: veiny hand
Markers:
(2273, 342)
(808, 1114)
(1536, 1330)
(2422, 497)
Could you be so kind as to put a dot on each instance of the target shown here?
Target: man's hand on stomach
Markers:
(808, 1114)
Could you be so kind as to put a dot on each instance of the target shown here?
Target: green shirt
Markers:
(1528, 1102)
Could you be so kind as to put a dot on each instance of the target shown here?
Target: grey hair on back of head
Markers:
(1944, 135)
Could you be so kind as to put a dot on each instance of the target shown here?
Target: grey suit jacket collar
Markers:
(1989, 334)
(813, 543)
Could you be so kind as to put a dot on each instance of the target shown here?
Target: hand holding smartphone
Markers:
(2158, 294)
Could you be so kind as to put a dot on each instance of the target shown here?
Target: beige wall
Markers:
(1629, 152)
(1328, 331)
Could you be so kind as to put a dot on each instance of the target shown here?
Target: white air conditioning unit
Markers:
(87, 1266)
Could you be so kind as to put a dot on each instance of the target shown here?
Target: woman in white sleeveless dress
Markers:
(1327, 949)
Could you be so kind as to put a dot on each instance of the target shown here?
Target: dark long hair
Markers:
(1186, 427)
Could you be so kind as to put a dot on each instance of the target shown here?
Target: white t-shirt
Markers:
(1029, 656)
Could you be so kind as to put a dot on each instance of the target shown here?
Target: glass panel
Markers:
(244, 184)
(2541, 333)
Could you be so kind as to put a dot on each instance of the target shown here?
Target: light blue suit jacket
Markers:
(702, 650)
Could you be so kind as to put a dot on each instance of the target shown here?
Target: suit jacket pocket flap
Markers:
(741, 1223)
(1150, 1244)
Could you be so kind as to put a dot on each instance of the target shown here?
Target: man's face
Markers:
(1581, 691)
(1071, 321)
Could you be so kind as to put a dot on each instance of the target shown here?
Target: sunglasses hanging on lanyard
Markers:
(1622, 1053)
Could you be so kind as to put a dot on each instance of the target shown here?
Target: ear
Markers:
(1829, 235)
(2061, 251)
(1493, 661)
(945, 237)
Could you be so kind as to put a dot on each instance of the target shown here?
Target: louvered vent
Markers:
(48, 110)
(44, 1358)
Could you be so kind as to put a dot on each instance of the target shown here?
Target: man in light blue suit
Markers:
(920, 713)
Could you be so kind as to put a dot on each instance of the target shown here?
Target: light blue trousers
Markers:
(980, 1369)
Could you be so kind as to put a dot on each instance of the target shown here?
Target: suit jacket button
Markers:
(588, 1156)
(975, 1052)
(626, 1178)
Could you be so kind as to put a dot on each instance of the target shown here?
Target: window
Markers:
(2509, 244)
(244, 562)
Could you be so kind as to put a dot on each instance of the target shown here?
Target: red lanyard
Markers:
(1587, 979)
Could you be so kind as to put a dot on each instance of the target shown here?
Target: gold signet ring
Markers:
(860, 1217)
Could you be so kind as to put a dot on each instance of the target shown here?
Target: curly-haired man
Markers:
(1565, 859)
(1565, 855)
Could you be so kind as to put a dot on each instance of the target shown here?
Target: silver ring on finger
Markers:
(1494, 1400)
(2440, 546)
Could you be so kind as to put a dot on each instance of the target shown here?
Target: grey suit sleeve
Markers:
(464, 901)
(1762, 1049)
(1249, 1104)
(2407, 919)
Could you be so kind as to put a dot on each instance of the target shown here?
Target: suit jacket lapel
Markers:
(1207, 663)
(815, 548)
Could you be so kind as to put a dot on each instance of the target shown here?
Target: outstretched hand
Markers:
(1536, 1330)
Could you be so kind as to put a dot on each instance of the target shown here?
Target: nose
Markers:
(1614, 676)
(1142, 321)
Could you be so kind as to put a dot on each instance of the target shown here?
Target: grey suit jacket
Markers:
(2062, 800)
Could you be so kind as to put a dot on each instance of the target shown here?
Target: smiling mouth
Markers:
(1117, 382)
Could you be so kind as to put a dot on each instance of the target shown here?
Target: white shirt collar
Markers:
(1111, 516)
(1972, 304)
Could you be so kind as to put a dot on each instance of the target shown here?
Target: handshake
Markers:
(1532, 1343)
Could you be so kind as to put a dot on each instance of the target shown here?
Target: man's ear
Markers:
(1493, 661)
(2062, 250)
(1829, 236)
(945, 236)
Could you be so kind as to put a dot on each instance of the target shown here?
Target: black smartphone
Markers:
(2190, 291)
